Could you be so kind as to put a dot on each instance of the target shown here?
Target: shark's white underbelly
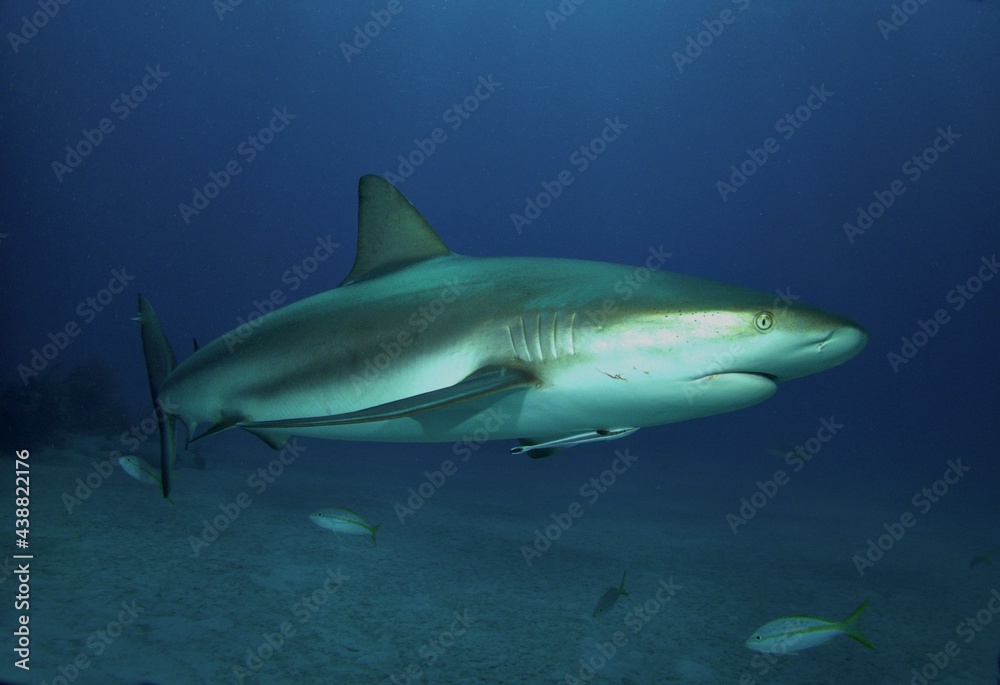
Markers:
(551, 413)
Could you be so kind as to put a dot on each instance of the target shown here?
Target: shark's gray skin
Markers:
(421, 344)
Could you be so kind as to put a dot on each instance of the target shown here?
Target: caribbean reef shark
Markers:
(421, 344)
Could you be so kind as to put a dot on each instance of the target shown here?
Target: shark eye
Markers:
(757, 638)
(763, 321)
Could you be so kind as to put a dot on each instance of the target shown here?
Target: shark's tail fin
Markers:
(160, 361)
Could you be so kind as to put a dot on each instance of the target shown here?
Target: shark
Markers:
(420, 344)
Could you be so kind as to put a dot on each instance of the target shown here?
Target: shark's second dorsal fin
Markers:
(391, 232)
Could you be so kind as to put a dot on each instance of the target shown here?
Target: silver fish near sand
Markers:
(419, 344)
(794, 633)
(610, 596)
(343, 520)
(139, 468)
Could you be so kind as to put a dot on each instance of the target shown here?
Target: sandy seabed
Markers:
(120, 587)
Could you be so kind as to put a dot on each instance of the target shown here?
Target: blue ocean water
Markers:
(207, 156)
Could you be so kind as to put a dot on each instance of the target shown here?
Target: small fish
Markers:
(343, 520)
(138, 468)
(610, 596)
(981, 559)
(794, 633)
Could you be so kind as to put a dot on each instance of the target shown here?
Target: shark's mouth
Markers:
(733, 389)
(768, 376)
(749, 382)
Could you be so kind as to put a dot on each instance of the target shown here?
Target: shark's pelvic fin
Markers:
(275, 442)
(217, 427)
(160, 361)
(391, 232)
(479, 384)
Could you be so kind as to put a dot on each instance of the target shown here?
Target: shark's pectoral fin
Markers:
(544, 448)
(484, 382)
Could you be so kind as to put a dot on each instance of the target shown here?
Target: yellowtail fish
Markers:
(610, 596)
(343, 520)
(795, 633)
(138, 468)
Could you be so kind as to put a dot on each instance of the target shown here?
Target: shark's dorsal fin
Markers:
(391, 232)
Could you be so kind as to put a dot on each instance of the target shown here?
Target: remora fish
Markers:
(610, 596)
(421, 344)
(795, 633)
(343, 520)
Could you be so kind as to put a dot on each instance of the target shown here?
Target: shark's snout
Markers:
(844, 341)
(820, 341)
